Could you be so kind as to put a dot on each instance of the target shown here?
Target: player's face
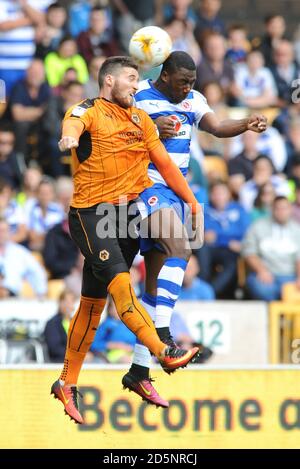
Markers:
(125, 86)
(180, 84)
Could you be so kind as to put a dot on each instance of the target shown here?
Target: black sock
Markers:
(141, 372)
(163, 332)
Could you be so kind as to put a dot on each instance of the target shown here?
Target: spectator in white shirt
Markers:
(255, 83)
(44, 214)
(16, 265)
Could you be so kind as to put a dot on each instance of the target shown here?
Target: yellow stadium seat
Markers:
(27, 291)
(215, 168)
(290, 292)
(55, 288)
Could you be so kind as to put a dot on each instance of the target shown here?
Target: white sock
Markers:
(169, 282)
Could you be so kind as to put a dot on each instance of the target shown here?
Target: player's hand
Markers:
(198, 225)
(166, 127)
(66, 143)
(257, 123)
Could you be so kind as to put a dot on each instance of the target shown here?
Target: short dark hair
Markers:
(176, 60)
(280, 198)
(6, 126)
(112, 66)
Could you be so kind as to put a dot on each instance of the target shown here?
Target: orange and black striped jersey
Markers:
(112, 158)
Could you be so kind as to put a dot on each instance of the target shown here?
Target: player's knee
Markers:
(106, 274)
(178, 248)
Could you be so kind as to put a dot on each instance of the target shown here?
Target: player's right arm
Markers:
(77, 119)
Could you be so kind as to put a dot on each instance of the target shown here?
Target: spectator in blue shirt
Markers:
(27, 104)
(226, 223)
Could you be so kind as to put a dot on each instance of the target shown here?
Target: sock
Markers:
(81, 334)
(141, 354)
(169, 283)
(133, 314)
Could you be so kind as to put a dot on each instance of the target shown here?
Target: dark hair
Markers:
(280, 198)
(6, 126)
(258, 199)
(265, 157)
(71, 83)
(112, 66)
(271, 16)
(55, 6)
(176, 60)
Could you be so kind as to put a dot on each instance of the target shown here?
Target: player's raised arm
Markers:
(232, 127)
(71, 131)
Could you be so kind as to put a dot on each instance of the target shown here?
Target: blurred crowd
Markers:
(50, 54)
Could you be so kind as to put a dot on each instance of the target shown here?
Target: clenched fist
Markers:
(66, 143)
(257, 123)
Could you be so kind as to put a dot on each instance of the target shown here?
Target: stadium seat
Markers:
(290, 292)
(55, 288)
(27, 291)
(215, 167)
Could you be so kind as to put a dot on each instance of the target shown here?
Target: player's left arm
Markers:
(232, 127)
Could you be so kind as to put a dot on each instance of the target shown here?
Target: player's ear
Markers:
(109, 80)
(164, 76)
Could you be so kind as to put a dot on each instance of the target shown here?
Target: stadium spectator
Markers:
(255, 85)
(275, 27)
(208, 19)
(43, 215)
(70, 75)
(131, 15)
(71, 94)
(240, 168)
(226, 223)
(193, 288)
(91, 87)
(263, 202)
(27, 196)
(52, 31)
(296, 204)
(60, 252)
(16, 265)
(79, 16)
(13, 213)
(263, 171)
(10, 164)
(210, 144)
(18, 23)
(56, 328)
(238, 44)
(179, 9)
(66, 56)
(94, 41)
(181, 34)
(27, 104)
(285, 72)
(272, 251)
(214, 66)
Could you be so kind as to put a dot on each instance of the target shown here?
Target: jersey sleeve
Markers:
(150, 132)
(82, 112)
(200, 106)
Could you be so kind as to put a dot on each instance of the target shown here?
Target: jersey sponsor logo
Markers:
(135, 118)
(78, 111)
(178, 121)
(104, 255)
(186, 105)
(152, 200)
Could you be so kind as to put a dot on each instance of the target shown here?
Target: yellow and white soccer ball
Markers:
(150, 46)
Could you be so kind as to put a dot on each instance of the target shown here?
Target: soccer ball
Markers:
(150, 46)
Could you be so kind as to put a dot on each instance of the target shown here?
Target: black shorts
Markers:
(107, 236)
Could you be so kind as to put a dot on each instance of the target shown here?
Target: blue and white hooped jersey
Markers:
(188, 113)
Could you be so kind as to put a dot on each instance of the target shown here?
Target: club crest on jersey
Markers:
(186, 105)
(152, 200)
(78, 111)
(104, 255)
(135, 118)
